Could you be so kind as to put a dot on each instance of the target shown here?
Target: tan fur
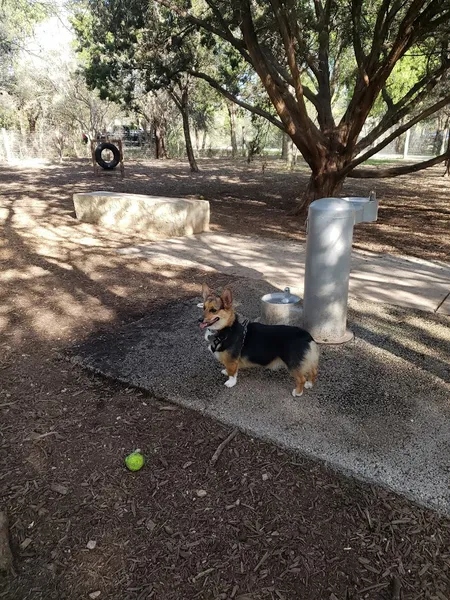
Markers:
(299, 380)
(218, 306)
(310, 362)
(244, 363)
(276, 365)
(231, 364)
(307, 371)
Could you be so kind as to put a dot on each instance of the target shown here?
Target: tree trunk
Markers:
(406, 147)
(196, 136)
(325, 182)
(32, 124)
(284, 148)
(287, 150)
(232, 114)
(61, 150)
(160, 147)
(187, 132)
(290, 154)
(325, 185)
(445, 134)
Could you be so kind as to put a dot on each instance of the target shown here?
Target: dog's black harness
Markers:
(219, 342)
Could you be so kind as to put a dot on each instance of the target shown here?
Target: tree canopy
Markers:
(17, 20)
(327, 68)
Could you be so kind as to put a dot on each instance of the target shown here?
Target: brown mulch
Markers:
(261, 523)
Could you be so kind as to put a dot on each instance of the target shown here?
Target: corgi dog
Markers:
(239, 345)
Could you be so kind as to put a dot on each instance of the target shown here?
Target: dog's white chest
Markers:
(208, 335)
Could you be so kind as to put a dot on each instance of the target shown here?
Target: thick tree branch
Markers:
(402, 108)
(427, 22)
(281, 69)
(289, 47)
(383, 25)
(175, 97)
(335, 75)
(379, 35)
(284, 74)
(301, 45)
(388, 100)
(435, 23)
(324, 112)
(356, 28)
(319, 9)
(288, 37)
(285, 77)
(408, 32)
(218, 15)
(366, 91)
(299, 126)
(396, 7)
(396, 171)
(395, 134)
(253, 109)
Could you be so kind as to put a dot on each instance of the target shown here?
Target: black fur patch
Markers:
(265, 343)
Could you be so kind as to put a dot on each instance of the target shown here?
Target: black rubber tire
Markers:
(107, 165)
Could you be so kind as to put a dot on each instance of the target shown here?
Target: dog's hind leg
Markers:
(311, 378)
(300, 380)
(310, 364)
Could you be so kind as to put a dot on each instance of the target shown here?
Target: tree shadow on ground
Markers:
(413, 217)
(62, 281)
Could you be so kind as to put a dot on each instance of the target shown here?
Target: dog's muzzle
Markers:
(204, 324)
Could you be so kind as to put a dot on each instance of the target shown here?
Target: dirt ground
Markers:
(262, 523)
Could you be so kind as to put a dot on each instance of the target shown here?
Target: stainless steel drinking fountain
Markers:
(327, 270)
(327, 267)
(281, 308)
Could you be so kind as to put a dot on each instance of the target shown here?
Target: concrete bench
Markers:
(153, 215)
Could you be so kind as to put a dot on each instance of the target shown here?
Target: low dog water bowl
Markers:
(281, 308)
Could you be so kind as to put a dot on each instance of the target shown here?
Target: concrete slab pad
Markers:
(151, 215)
(403, 281)
(444, 306)
(380, 410)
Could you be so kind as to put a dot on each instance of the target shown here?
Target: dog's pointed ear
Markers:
(227, 298)
(206, 291)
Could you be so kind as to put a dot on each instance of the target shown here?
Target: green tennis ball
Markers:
(134, 461)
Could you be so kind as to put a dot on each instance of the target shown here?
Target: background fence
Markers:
(421, 140)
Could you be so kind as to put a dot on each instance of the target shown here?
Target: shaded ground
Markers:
(373, 413)
(270, 525)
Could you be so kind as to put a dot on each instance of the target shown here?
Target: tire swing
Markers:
(108, 165)
(111, 146)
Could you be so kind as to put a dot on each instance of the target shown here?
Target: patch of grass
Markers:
(382, 161)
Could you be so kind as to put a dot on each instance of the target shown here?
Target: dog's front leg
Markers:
(231, 369)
